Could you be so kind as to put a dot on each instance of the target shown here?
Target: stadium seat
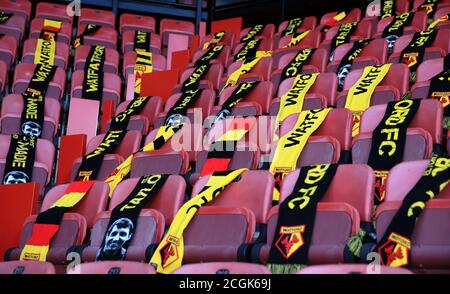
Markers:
(338, 216)
(425, 72)
(23, 74)
(130, 144)
(26, 267)
(268, 31)
(363, 31)
(44, 158)
(174, 26)
(400, 7)
(211, 80)
(418, 23)
(439, 48)
(96, 16)
(260, 72)
(14, 26)
(266, 44)
(129, 60)
(64, 35)
(222, 58)
(312, 40)
(145, 120)
(429, 242)
(53, 11)
(72, 232)
(442, 3)
(113, 268)
(111, 64)
(373, 53)
(20, 7)
(61, 53)
(348, 269)
(394, 85)
(353, 15)
(448, 142)
(8, 49)
(128, 42)
(135, 22)
(222, 268)
(321, 94)
(424, 131)
(308, 23)
(228, 39)
(440, 13)
(11, 113)
(105, 36)
(317, 63)
(111, 86)
(3, 75)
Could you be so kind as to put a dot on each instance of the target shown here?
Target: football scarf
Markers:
(388, 141)
(429, 6)
(120, 121)
(141, 41)
(388, 8)
(215, 39)
(175, 115)
(246, 67)
(238, 95)
(292, 101)
(122, 170)
(193, 81)
(20, 159)
(32, 117)
(169, 254)
(90, 166)
(297, 38)
(345, 65)
(142, 66)
(291, 145)
(395, 29)
(254, 31)
(440, 87)
(394, 248)
(222, 150)
(93, 74)
(294, 67)
(48, 222)
(413, 54)
(292, 27)
(46, 44)
(248, 51)
(338, 17)
(124, 218)
(360, 94)
(297, 213)
(211, 54)
(89, 30)
(4, 17)
(438, 21)
(342, 36)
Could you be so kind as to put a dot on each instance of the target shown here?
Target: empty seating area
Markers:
(233, 233)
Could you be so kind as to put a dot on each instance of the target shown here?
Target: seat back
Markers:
(353, 15)
(112, 268)
(130, 144)
(347, 269)
(26, 267)
(262, 69)
(214, 75)
(231, 268)
(134, 22)
(97, 16)
(261, 95)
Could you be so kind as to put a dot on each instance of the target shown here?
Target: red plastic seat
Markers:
(128, 42)
(8, 49)
(425, 72)
(308, 23)
(373, 53)
(135, 22)
(20, 7)
(145, 120)
(23, 74)
(211, 79)
(443, 3)
(424, 130)
(96, 16)
(11, 113)
(64, 35)
(130, 144)
(312, 40)
(321, 94)
(439, 48)
(113, 268)
(394, 85)
(400, 5)
(363, 31)
(222, 58)
(268, 31)
(418, 23)
(346, 269)
(353, 15)
(233, 268)
(26, 267)
(14, 26)
(105, 36)
(111, 64)
(3, 75)
(129, 60)
(260, 72)
(228, 39)
(174, 26)
(111, 86)
(429, 242)
(440, 13)
(448, 142)
(53, 11)
(61, 53)
(43, 164)
(338, 214)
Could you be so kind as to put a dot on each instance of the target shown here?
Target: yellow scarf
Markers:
(360, 94)
(169, 254)
(143, 65)
(46, 46)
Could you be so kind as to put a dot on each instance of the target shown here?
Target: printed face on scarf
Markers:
(342, 73)
(118, 234)
(16, 177)
(31, 129)
(391, 42)
(175, 120)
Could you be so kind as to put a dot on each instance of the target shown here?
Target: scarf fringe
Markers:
(355, 243)
(285, 269)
